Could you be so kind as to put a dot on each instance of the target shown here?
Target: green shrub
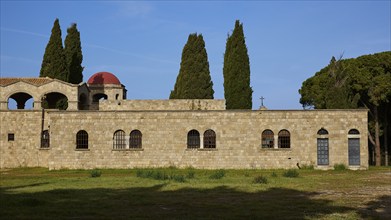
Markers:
(260, 179)
(139, 173)
(274, 174)
(178, 178)
(158, 175)
(96, 173)
(291, 173)
(339, 167)
(307, 167)
(190, 174)
(218, 174)
(144, 173)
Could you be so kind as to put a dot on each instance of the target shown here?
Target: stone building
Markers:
(100, 128)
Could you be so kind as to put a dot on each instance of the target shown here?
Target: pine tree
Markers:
(73, 55)
(53, 63)
(193, 81)
(236, 71)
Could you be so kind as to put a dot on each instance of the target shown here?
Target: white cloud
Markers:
(134, 9)
(23, 32)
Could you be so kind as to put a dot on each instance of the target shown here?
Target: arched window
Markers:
(353, 131)
(267, 139)
(119, 140)
(193, 139)
(323, 131)
(82, 140)
(354, 147)
(19, 101)
(54, 100)
(323, 147)
(135, 139)
(284, 139)
(209, 139)
(45, 141)
(99, 96)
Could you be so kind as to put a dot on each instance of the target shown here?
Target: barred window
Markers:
(209, 139)
(267, 139)
(45, 139)
(353, 131)
(284, 139)
(193, 139)
(135, 139)
(323, 131)
(119, 140)
(82, 140)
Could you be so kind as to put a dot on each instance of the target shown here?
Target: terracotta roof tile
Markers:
(33, 81)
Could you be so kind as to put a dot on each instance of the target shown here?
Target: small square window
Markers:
(11, 136)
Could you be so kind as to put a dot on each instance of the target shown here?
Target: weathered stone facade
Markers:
(164, 138)
(163, 105)
(37, 88)
(321, 138)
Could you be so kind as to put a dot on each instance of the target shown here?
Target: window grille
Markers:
(209, 139)
(135, 140)
(45, 139)
(193, 139)
(267, 139)
(119, 140)
(284, 139)
(353, 131)
(82, 140)
(323, 131)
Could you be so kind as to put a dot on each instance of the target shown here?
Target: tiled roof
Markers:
(33, 81)
(103, 78)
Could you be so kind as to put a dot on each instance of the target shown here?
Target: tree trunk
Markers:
(385, 134)
(377, 137)
(371, 149)
(385, 146)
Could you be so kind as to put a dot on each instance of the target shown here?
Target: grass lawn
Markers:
(170, 193)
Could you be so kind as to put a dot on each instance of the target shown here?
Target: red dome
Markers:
(103, 78)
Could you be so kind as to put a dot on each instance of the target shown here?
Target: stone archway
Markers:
(21, 98)
(99, 96)
(54, 100)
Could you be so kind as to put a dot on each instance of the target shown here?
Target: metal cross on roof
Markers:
(262, 98)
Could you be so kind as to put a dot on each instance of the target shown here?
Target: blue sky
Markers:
(141, 42)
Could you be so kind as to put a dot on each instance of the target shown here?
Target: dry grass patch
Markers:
(36, 193)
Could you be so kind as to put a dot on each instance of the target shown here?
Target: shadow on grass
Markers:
(381, 208)
(155, 203)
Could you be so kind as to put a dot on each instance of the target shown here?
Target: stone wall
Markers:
(164, 138)
(114, 93)
(170, 104)
(24, 150)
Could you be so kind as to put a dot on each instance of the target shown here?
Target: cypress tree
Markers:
(53, 63)
(193, 81)
(236, 71)
(73, 55)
